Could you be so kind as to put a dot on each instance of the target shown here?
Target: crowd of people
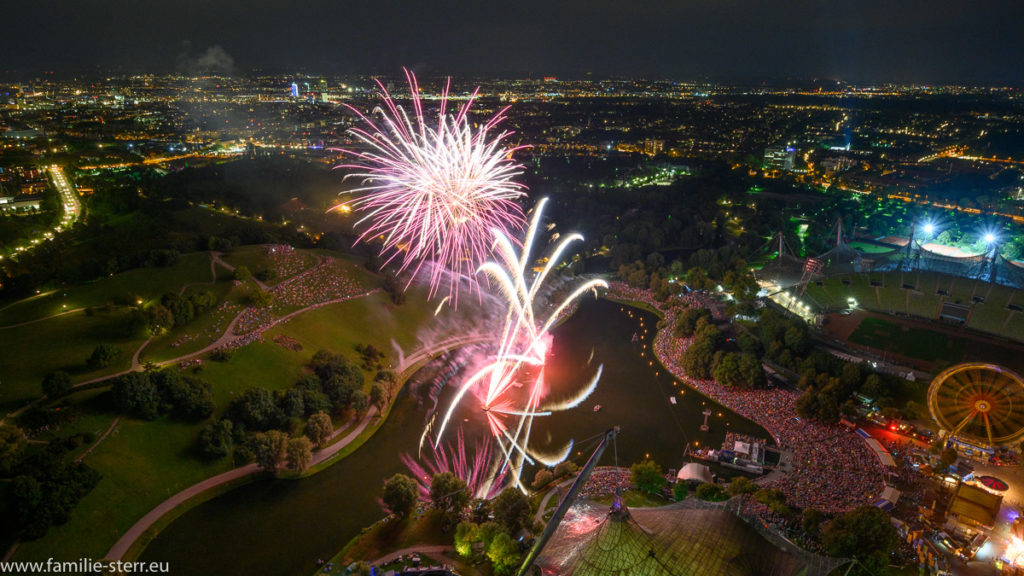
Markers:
(285, 262)
(328, 281)
(606, 480)
(830, 468)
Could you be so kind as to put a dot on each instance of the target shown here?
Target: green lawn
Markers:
(917, 343)
(62, 343)
(126, 287)
(142, 463)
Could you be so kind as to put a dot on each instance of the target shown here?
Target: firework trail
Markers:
(476, 470)
(434, 190)
(522, 351)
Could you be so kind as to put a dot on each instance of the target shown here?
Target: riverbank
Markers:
(832, 470)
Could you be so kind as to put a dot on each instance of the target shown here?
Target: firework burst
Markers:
(522, 352)
(433, 191)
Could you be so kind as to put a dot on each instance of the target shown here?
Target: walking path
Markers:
(41, 319)
(121, 547)
(218, 260)
(100, 440)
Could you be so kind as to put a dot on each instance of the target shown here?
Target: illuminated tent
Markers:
(692, 471)
(678, 539)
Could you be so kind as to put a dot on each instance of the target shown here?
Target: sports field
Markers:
(908, 341)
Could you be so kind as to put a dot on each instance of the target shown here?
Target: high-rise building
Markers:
(653, 147)
(779, 157)
(295, 90)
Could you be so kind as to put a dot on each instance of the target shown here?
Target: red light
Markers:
(892, 427)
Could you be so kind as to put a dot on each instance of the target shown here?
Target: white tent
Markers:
(695, 472)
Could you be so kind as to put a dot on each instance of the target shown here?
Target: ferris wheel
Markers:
(980, 403)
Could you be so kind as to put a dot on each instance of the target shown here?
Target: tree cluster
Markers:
(174, 310)
(151, 394)
(43, 487)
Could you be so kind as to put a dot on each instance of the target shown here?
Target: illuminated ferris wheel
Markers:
(980, 403)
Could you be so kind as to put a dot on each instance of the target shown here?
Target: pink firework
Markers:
(434, 191)
(475, 469)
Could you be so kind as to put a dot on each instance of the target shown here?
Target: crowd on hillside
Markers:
(330, 280)
(831, 468)
(285, 262)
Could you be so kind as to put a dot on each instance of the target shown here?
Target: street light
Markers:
(929, 228)
(989, 238)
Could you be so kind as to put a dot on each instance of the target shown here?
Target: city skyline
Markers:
(742, 40)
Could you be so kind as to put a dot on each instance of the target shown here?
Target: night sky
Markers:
(933, 41)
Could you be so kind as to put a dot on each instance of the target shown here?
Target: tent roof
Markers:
(670, 540)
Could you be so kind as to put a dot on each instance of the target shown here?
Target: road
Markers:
(72, 208)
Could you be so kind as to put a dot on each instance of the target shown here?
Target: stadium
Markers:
(926, 282)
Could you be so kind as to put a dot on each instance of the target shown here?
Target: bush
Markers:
(711, 492)
(56, 384)
(102, 356)
(647, 476)
(566, 468)
(215, 439)
(542, 478)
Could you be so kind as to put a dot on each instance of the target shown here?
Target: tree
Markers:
(102, 356)
(256, 409)
(242, 273)
(215, 439)
(379, 396)
(741, 485)
(512, 511)
(947, 458)
(865, 534)
(158, 318)
(727, 370)
(319, 428)
(300, 453)
(873, 387)
(56, 384)
(135, 393)
(399, 495)
(260, 298)
(12, 442)
(503, 554)
(542, 478)
(811, 521)
(680, 490)
(711, 492)
(686, 322)
(565, 468)
(270, 449)
(647, 476)
(466, 534)
(359, 401)
(448, 494)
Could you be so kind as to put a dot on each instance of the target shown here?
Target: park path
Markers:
(99, 440)
(217, 259)
(444, 552)
(66, 312)
(123, 544)
(29, 299)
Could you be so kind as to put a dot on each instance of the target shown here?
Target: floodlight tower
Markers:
(991, 240)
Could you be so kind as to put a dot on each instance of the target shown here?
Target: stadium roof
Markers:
(678, 539)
